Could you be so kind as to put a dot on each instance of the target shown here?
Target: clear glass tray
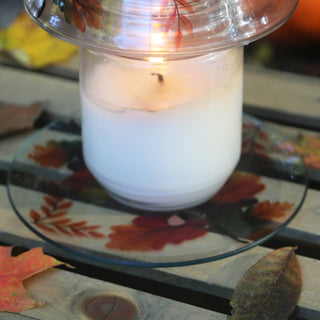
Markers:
(56, 197)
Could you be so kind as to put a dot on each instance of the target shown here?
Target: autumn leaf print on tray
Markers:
(307, 145)
(78, 182)
(154, 233)
(53, 218)
(235, 211)
(238, 210)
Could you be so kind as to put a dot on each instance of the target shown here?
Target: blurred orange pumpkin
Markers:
(303, 27)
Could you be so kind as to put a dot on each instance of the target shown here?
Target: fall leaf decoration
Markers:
(56, 154)
(270, 289)
(53, 218)
(177, 20)
(31, 46)
(266, 210)
(82, 13)
(254, 138)
(154, 233)
(14, 270)
(307, 145)
(241, 186)
(49, 155)
(309, 148)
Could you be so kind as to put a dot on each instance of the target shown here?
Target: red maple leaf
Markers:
(240, 186)
(14, 270)
(154, 233)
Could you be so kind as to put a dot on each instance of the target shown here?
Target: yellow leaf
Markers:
(32, 46)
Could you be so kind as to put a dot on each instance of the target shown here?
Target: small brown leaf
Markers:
(270, 289)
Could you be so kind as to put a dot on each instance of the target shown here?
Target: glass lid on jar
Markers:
(136, 28)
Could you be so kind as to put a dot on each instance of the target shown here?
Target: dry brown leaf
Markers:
(270, 289)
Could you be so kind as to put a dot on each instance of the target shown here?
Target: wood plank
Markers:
(64, 292)
(24, 87)
(211, 278)
(217, 278)
(274, 90)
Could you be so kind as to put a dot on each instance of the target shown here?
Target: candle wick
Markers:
(160, 77)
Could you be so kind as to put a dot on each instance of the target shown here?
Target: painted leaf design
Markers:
(270, 289)
(254, 138)
(187, 24)
(307, 145)
(53, 218)
(177, 20)
(83, 13)
(49, 155)
(14, 270)
(154, 233)
(56, 154)
(266, 210)
(239, 187)
(80, 180)
(237, 204)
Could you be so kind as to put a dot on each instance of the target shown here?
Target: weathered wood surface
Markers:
(64, 292)
(217, 278)
(281, 91)
(276, 91)
(63, 98)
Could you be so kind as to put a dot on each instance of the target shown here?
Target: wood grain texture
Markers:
(273, 90)
(282, 91)
(63, 293)
(217, 278)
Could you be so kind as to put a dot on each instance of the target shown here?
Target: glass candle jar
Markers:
(161, 90)
(162, 135)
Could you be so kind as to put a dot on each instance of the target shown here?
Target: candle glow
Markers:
(179, 154)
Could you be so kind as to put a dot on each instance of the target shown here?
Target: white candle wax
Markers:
(163, 142)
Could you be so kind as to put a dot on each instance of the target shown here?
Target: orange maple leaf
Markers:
(14, 270)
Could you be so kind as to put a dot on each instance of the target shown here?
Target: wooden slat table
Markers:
(192, 292)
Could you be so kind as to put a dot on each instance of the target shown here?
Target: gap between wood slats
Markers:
(282, 117)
